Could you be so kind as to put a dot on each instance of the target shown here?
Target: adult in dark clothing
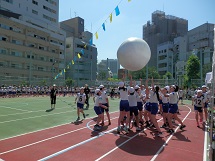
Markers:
(87, 93)
(53, 93)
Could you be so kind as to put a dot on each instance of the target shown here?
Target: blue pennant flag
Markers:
(117, 11)
(103, 26)
(82, 51)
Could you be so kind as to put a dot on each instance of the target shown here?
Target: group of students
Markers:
(139, 106)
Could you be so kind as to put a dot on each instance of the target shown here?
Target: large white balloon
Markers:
(133, 54)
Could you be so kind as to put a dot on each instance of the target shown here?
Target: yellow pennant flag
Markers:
(67, 66)
(79, 56)
(60, 73)
(73, 62)
(111, 17)
(85, 46)
(97, 36)
(64, 70)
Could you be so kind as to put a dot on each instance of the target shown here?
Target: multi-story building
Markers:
(34, 11)
(165, 58)
(162, 28)
(32, 50)
(111, 65)
(78, 42)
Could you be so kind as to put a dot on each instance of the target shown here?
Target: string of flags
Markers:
(96, 34)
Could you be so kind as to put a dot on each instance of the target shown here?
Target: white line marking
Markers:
(161, 148)
(14, 108)
(65, 107)
(123, 143)
(35, 117)
(47, 128)
(74, 146)
(205, 145)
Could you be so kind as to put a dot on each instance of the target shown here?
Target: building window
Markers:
(40, 68)
(34, 12)
(34, 2)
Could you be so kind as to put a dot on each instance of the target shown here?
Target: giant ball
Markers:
(133, 54)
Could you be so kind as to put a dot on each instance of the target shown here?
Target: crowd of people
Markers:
(138, 104)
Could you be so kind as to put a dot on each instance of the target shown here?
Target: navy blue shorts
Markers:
(147, 107)
(180, 98)
(140, 106)
(154, 108)
(133, 110)
(98, 110)
(107, 110)
(124, 106)
(173, 108)
(199, 109)
(160, 102)
(165, 107)
(80, 105)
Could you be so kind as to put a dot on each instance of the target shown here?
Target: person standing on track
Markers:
(81, 97)
(97, 108)
(53, 93)
(197, 101)
(87, 93)
(173, 108)
(205, 101)
(105, 102)
(165, 106)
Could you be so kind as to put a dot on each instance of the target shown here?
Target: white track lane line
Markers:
(205, 154)
(48, 139)
(161, 148)
(48, 128)
(14, 108)
(76, 145)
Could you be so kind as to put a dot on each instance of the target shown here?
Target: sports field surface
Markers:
(30, 131)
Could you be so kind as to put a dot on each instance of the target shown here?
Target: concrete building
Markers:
(162, 28)
(34, 11)
(77, 42)
(165, 58)
(32, 51)
(111, 65)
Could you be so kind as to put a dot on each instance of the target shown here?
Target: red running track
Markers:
(87, 145)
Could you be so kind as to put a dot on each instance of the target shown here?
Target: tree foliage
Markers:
(193, 68)
(69, 82)
(152, 72)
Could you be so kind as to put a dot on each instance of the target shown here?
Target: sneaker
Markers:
(182, 127)
(109, 123)
(141, 122)
(159, 134)
(78, 119)
(97, 127)
(84, 115)
(135, 124)
(198, 125)
(171, 131)
(163, 126)
(126, 129)
(138, 129)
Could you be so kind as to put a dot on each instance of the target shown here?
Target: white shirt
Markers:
(164, 99)
(104, 97)
(153, 97)
(123, 93)
(198, 101)
(81, 98)
(132, 100)
(173, 98)
(98, 100)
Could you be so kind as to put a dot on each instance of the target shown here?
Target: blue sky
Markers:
(133, 15)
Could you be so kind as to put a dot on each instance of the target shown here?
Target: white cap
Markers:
(121, 84)
(54, 85)
(131, 90)
(199, 91)
(101, 86)
(204, 86)
(97, 91)
(167, 88)
(136, 87)
(81, 88)
(173, 86)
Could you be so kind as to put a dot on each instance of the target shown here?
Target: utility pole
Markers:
(30, 68)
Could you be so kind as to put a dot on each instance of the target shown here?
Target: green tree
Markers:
(102, 75)
(69, 82)
(192, 69)
(153, 73)
(167, 75)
